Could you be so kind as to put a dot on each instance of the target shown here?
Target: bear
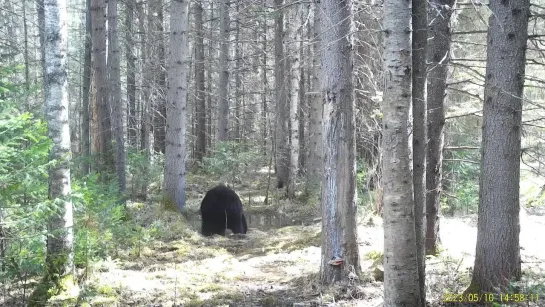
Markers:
(221, 209)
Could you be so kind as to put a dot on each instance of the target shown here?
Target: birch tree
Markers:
(59, 271)
(295, 76)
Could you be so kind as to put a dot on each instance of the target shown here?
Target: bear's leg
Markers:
(244, 225)
(213, 223)
(237, 223)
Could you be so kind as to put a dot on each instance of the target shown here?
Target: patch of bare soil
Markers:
(279, 267)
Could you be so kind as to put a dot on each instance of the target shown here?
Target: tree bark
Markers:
(175, 154)
(131, 76)
(114, 81)
(339, 236)
(86, 88)
(59, 271)
(420, 138)
(401, 280)
(200, 148)
(497, 258)
(314, 161)
(102, 107)
(159, 109)
(237, 125)
(265, 90)
(295, 75)
(440, 12)
(146, 86)
(282, 107)
(209, 77)
(223, 93)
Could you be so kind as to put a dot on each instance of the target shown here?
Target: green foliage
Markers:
(230, 160)
(366, 198)
(361, 176)
(144, 170)
(24, 151)
(462, 183)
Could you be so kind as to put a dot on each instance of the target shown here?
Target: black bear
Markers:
(221, 209)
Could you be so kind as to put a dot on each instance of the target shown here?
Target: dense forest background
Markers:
(246, 108)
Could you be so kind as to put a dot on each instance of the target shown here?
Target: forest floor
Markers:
(280, 266)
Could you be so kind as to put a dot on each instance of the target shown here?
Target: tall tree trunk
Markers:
(420, 139)
(41, 28)
(401, 285)
(59, 272)
(159, 111)
(131, 75)
(440, 12)
(339, 237)
(314, 164)
(86, 88)
(282, 107)
(265, 89)
(114, 81)
(223, 93)
(295, 60)
(25, 55)
(200, 102)
(304, 85)
(146, 87)
(497, 258)
(209, 76)
(175, 154)
(102, 107)
(237, 131)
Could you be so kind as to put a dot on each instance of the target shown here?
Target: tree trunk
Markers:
(131, 76)
(295, 60)
(159, 111)
(282, 107)
(223, 93)
(339, 236)
(314, 162)
(401, 285)
(200, 102)
(86, 88)
(237, 131)
(59, 271)
(497, 258)
(265, 90)
(420, 139)
(102, 107)
(114, 81)
(304, 86)
(210, 73)
(438, 58)
(146, 87)
(175, 155)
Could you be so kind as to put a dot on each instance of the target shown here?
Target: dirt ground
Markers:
(279, 267)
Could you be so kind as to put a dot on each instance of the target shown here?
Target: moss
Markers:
(268, 301)
(210, 288)
(168, 205)
(53, 288)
